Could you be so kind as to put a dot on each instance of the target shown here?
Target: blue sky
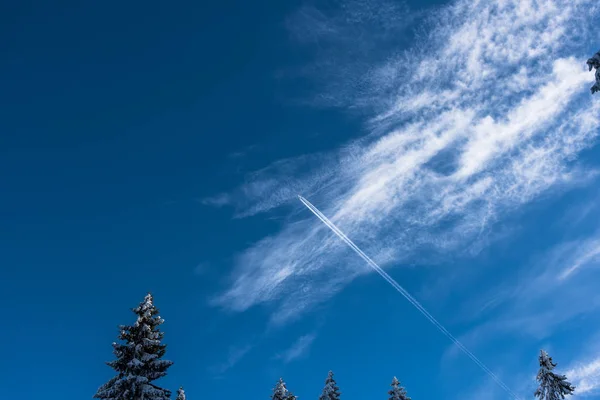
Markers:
(160, 147)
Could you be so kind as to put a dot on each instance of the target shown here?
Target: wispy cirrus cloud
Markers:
(235, 355)
(488, 111)
(348, 40)
(298, 349)
(219, 200)
(541, 299)
(530, 307)
(587, 255)
(586, 377)
(584, 372)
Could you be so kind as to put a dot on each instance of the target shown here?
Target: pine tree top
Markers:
(138, 358)
(280, 391)
(546, 361)
(180, 394)
(146, 310)
(397, 392)
(331, 391)
(552, 386)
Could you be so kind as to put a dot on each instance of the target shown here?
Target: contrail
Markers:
(407, 295)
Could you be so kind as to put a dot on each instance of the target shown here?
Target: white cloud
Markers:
(587, 255)
(535, 300)
(485, 115)
(584, 371)
(586, 377)
(236, 353)
(351, 40)
(298, 349)
(218, 200)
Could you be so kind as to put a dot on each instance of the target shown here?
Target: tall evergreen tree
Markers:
(552, 386)
(397, 392)
(180, 394)
(331, 391)
(280, 391)
(138, 361)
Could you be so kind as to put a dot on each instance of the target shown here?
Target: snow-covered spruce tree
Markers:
(331, 391)
(552, 386)
(138, 362)
(280, 392)
(180, 394)
(397, 392)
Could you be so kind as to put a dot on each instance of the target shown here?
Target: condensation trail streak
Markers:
(407, 295)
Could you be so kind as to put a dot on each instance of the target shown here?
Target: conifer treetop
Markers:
(138, 358)
(280, 391)
(331, 391)
(397, 392)
(146, 310)
(180, 394)
(552, 386)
